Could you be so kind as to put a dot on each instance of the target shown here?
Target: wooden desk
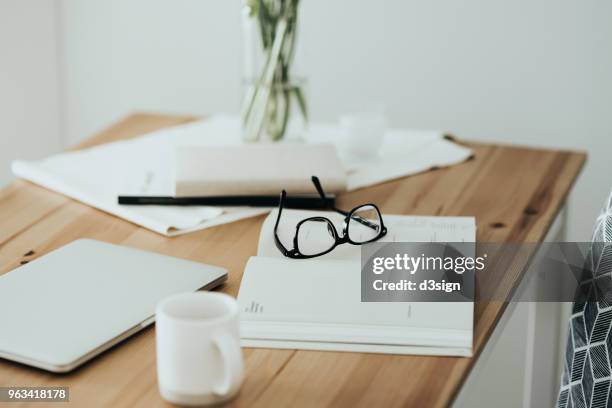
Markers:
(514, 193)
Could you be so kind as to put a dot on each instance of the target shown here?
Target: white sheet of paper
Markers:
(140, 166)
(403, 152)
(145, 166)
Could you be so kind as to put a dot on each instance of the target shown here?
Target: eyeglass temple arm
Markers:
(281, 203)
(317, 184)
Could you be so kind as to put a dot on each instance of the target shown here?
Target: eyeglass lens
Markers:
(364, 224)
(315, 237)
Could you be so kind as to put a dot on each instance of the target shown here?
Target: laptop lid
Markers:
(66, 307)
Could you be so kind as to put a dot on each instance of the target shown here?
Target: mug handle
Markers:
(232, 364)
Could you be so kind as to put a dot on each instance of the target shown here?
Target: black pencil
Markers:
(296, 201)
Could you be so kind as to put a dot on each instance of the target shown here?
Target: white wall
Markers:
(510, 71)
(529, 72)
(121, 56)
(29, 86)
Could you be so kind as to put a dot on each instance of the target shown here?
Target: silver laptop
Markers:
(72, 304)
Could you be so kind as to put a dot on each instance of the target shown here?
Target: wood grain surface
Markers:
(514, 193)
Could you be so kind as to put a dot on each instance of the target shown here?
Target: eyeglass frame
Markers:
(295, 253)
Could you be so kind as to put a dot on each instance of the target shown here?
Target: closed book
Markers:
(265, 169)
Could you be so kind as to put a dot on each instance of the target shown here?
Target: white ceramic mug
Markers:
(199, 360)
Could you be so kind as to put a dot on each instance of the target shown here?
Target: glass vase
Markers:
(274, 106)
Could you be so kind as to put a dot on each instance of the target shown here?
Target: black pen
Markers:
(295, 201)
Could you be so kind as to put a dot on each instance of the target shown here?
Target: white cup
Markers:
(363, 134)
(199, 361)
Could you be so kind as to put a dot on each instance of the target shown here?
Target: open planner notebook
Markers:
(316, 303)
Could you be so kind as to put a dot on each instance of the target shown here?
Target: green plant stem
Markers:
(268, 105)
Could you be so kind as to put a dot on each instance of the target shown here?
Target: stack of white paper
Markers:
(316, 303)
(145, 166)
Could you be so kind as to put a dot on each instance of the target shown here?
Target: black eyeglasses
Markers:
(316, 236)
